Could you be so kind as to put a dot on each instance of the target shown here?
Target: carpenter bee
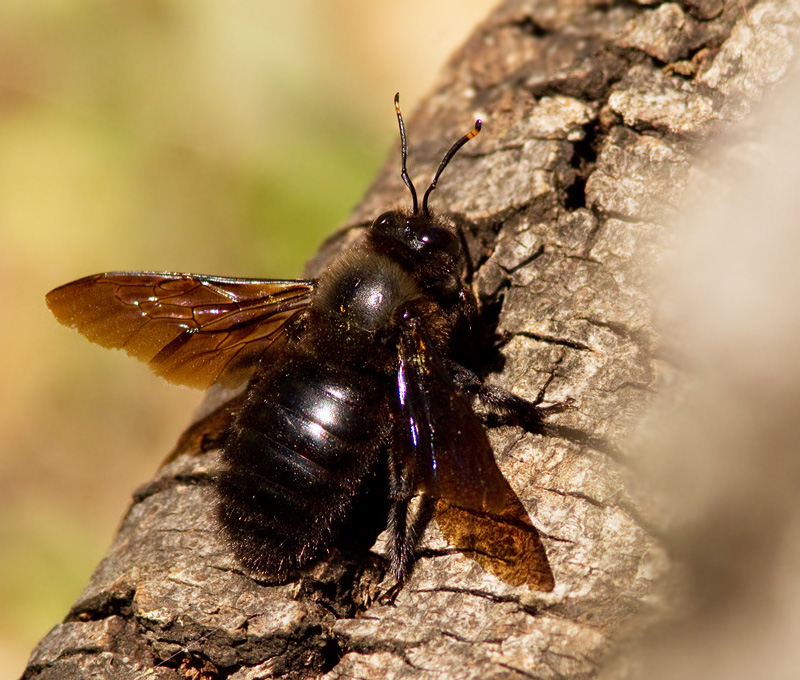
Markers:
(356, 379)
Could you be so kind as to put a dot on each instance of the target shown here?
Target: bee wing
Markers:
(450, 455)
(190, 329)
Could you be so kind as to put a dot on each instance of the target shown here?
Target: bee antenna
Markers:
(404, 143)
(447, 158)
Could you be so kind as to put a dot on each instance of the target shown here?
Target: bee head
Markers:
(420, 235)
(423, 242)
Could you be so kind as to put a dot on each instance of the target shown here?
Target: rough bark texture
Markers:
(593, 115)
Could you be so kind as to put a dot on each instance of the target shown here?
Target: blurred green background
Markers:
(225, 138)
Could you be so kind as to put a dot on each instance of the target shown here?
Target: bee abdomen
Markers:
(299, 448)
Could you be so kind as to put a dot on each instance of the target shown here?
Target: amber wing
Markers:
(450, 455)
(446, 455)
(191, 329)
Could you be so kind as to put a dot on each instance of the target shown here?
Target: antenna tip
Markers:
(474, 131)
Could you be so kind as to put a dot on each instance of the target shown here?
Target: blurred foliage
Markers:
(225, 138)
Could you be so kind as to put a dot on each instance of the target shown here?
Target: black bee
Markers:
(357, 378)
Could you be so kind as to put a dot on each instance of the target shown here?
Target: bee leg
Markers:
(513, 409)
(406, 523)
(401, 543)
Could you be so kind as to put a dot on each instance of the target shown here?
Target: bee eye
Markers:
(437, 238)
(386, 223)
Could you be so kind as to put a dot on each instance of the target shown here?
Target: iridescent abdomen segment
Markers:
(303, 443)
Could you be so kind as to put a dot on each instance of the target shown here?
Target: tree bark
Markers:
(594, 114)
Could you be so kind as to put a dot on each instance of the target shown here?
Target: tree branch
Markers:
(593, 117)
